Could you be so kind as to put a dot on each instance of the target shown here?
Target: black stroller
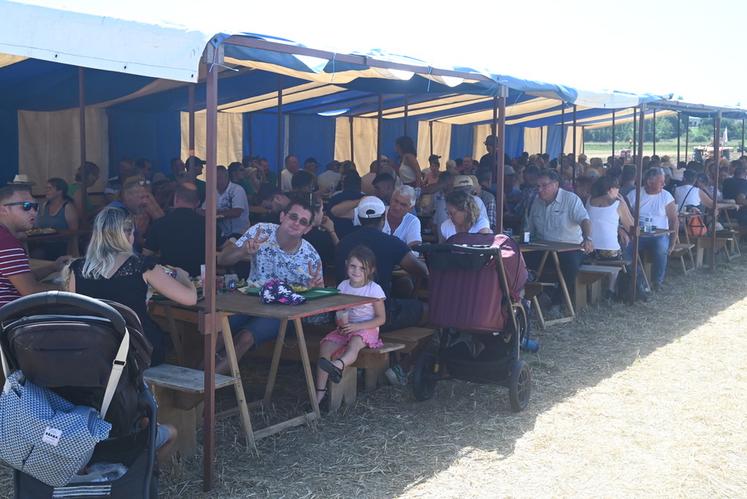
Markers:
(69, 343)
(475, 286)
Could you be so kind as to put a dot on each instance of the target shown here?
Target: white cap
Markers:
(370, 207)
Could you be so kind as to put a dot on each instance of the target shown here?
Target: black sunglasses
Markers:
(26, 205)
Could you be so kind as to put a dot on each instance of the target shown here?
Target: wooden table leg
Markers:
(238, 386)
(563, 286)
(208, 423)
(306, 366)
(279, 342)
(176, 338)
(541, 267)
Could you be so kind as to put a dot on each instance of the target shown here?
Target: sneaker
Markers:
(396, 376)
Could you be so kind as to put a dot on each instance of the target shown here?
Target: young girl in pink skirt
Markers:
(357, 327)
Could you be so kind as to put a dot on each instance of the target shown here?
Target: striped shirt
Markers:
(13, 261)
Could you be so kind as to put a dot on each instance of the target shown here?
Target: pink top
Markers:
(362, 313)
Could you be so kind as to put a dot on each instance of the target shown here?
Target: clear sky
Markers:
(694, 50)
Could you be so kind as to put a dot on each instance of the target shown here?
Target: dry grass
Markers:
(628, 401)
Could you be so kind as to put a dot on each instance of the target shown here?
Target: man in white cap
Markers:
(390, 251)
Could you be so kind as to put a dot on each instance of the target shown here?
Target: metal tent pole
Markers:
(500, 151)
(250, 133)
(635, 128)
(542, 140)
(562, 135)
(637, 208)
(352, 139)
(743, 154)
(209, 322)
(494, 133)
(717, 157)
(653, 128)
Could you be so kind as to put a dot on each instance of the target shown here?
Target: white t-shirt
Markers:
(233, 197)
(285, 180)
(448, 229)
(441, 214)
(273, 262)
(654, 206)
(408, 230)
(686, 195)
(407, 174)
(366, 312)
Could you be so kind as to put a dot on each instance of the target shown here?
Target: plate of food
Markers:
(41, 231)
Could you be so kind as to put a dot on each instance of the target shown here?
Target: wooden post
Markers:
(430, 136)
(687, 136)
(653, 128)
(613, 138)
(280, 136)
(191, 121)
(82, 124)
(379, 122)
(407, 114)
(717, 158)
(500, 151)
(575, 157)
(743, 153)
(352, 139)
(635, 125)
(562, 135)
(210, 323)
(637, 208)
(250, 133)
(679, 120)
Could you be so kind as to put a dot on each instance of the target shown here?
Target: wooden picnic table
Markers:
(238, 303)
(552, 248)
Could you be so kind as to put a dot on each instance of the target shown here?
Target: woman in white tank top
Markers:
(608, 211)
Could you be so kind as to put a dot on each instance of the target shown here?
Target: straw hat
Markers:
(22, 179)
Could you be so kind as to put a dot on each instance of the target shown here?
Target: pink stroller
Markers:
(475, 286)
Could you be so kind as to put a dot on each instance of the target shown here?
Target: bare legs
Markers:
(348, 357)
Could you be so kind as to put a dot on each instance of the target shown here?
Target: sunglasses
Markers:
(25, 205)
(296, 218)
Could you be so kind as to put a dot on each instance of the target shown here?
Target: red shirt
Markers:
(13, 261)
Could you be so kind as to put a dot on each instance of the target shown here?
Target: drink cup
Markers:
(527, 237)
(342, 317)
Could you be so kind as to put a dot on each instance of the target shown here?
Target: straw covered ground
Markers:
(648, 400)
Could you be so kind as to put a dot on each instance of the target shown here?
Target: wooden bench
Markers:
(179, 392)
(589, 282)
(413, 338)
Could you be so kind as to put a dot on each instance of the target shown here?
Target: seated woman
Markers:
(464, 216)
(688, 195)
(608, 213)
(111, 271)
(57, 212)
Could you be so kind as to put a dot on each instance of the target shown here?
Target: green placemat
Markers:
(309, 295)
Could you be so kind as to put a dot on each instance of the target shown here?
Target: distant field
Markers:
(664, 147)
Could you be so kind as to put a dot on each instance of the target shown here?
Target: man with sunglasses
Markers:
(17, 214)
(275, 252)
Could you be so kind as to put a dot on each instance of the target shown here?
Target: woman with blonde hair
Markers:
(112, 271)
(464, 216)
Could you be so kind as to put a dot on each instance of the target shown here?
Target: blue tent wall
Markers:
(462, 138)
(553, 141)
(264, 137)
(154, 136)
(8, 144)
(393, 129)
(514, 141)
(312, 136)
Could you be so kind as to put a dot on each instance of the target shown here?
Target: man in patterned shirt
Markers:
(17, 214)
(275, 252)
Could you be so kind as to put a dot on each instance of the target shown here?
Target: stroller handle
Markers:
(445, 247)
(86, 303)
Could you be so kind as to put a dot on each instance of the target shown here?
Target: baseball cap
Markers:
(370, 207)
(462, 181)
(195, 160)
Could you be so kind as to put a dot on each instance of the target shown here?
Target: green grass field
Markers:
(664, 147)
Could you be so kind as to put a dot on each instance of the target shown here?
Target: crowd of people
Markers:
(311, 228)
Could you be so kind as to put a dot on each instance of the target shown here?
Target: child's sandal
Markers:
(335, 373)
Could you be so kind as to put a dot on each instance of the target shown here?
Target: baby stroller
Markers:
(475, 286)
(68, 343)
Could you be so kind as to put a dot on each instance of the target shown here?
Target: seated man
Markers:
(137, 201)
(179, 237)
(658, 205)
(390, 252)
(17, 214)
(559, 215)
(275, 252)
(232, 205)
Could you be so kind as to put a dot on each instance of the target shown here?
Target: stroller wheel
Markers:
(519, 385)
(424, 376)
